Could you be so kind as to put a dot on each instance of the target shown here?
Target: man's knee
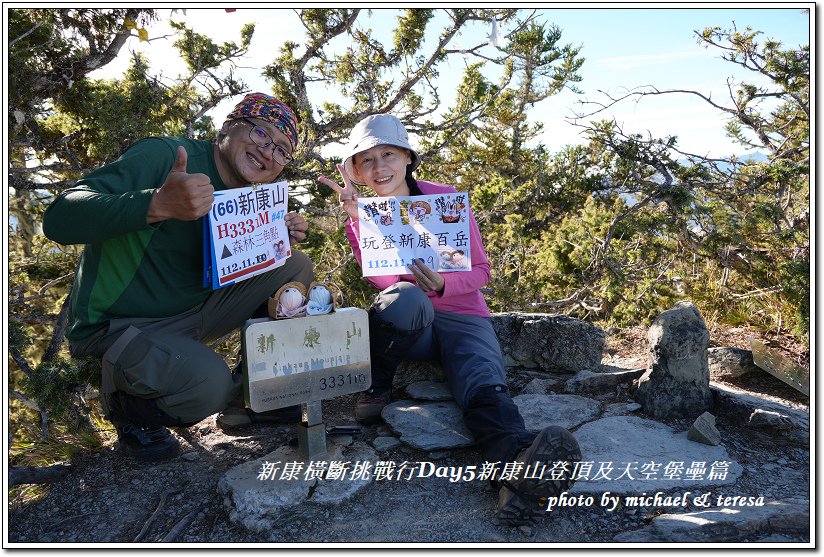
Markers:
(207, 391)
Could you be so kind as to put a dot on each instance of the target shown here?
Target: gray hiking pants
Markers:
(166, 360)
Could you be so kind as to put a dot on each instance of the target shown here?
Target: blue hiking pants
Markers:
(403, 325)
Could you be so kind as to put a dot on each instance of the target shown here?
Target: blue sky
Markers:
(627, 48)
(623, 47)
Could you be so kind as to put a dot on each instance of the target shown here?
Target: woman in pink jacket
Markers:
(426, 315)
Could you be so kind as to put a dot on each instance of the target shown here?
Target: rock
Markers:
(190, 456)
(548, 342)
(770, 420)
(429, 390)
(411, 371)
(620, 409)
(531, 340)
(615, 409)
(739, 407)
(526, 531)
(726, 524)
(677, 383)
(780, 367)
(567, 411)
(636, 455)
(384, 443)
(774, 538)
(703, 430)
(540, 387)
(428, 425)
(260, 503)
(587, 382)
(344, 440)
(728, 361)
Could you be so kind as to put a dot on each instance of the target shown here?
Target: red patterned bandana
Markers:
(269, 109)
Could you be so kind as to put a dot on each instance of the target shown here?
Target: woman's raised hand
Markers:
(348, 194)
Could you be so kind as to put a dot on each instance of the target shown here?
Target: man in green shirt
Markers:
(138, 300)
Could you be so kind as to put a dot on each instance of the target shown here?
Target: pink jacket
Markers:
(461, 292)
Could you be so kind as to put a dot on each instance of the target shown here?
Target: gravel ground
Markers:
(106, 498)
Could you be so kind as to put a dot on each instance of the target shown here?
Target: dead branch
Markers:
(57, 335)
(180, 526)
(36, 475)
(44, 417)
(152, 518)
(577, 299)
(21, 361)
(341, 264)
(24, 35)
(53, 282)
(27, 402)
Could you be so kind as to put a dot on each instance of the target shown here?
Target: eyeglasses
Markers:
(263, 139)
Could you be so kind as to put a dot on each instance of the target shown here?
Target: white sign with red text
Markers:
(245, 233)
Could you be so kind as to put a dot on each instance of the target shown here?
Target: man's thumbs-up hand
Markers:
(182, 196)
(181, 160)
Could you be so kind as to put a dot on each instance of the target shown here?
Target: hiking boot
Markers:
(148, 444)
(369, 406)
(522, 500)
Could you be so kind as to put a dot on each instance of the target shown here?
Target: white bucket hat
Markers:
(378, 129)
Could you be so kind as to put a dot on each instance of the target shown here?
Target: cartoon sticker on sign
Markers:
(396, 230)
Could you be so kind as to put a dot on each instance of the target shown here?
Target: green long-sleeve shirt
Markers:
(130, 268)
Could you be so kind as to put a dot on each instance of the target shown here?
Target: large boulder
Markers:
(677, 381)
(727, 524)
(549, 342)
(531, 340)
(634, 455)
(756, 411)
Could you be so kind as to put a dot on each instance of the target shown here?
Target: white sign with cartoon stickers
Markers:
(396, 230)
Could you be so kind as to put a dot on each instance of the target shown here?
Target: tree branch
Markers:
(45, 84)
(24, 35)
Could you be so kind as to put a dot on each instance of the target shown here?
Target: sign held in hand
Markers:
(396, 230)
(245, 233)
